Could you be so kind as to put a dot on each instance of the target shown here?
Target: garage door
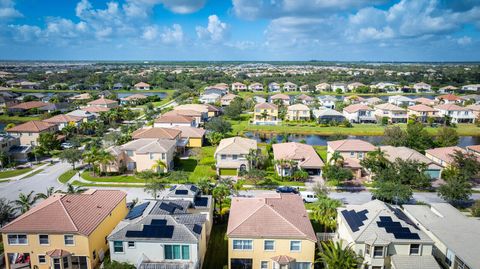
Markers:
(228, 171)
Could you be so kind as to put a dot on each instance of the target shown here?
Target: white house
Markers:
(359, 113)
(273, 87)
(255, 87)
(393, 113)
(322, 87)
(471, 88)
(342, 86)
(238, 86)
(210, 98)
(327, 101)
(457, 113)
(422, 87)
(289, 86)
(400, 100)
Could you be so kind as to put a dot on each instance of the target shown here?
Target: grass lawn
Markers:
(17, 119)
(322, 152)
(14, 173)
(166, 99)
(87, 175)
(81, 184)
(34, 173)
(200, 165)
(65, 177)
(217, 251)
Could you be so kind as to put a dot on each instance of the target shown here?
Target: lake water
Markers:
(125, 94)
(321, 140)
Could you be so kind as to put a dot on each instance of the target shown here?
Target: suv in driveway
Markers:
(287, 189)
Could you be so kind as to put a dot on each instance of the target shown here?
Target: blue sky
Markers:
(345, 30)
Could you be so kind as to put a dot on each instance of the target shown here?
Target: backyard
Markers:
(217, 250)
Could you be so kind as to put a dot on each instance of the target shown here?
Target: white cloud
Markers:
(465, 40)
(150, 33)
(143, 8)
(8, 11)
(173, 35)
(184, 6)
(215, 32)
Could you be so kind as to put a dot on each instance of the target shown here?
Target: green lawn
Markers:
(32, 174)
(87, 175)
(65, 177)
(322, 152)
(14, 173)
(217, 251)
(200, 165)
(17, 119)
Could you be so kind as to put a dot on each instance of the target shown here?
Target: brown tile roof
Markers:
(161, 133)
(450, 97)
(58, 253)
(305, 154)
(356, 107)
(475, 148)
(444, 153)
(276, 216)
(266, 106)
(350, 145)
(450, 107)
(184, 112)
(390, 107)
(68, 213)
(188, 131)
(136, 96)
(421, 108)
(63, 119)
(95, 109)
(29, 105)
(280, 96)
(102, 101)
(141, 84)
(33, 126)
(173, 119)
(424, 101)
(305, 97)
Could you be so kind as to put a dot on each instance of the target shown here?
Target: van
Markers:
(309, 196)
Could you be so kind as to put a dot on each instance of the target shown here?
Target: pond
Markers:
(126, 94)
(321, 140)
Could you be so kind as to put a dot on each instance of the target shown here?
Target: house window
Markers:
(269, 245)
(242, 244)
(234, 156)
(415, 249)
(303, 265)
(360, 155)
(295, 246)
(42, 259)
(68, 239)
(224, 157)
(56, 263)
(378, 251)
(17, 239)
(177, 252)
(241, 264)
(352, 154)
(94, 254)
(65, 262)
(118, 246)
(43, 239)
(264, 265)
(131, 244)
(129, 153)
(367, 249)
(164, 156)
(151, 156)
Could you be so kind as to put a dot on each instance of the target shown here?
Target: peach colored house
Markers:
(352, 151)
(305, 157)
(64, 120)
(29, 132)
(443, 156)
(103, 102)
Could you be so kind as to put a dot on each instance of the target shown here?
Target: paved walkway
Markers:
(42, 166)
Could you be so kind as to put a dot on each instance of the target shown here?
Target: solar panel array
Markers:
(197, 229)
(201, 201)
(170, 207)
(156, 229)
(396, 228)
(355, 219)
(181, 192)
(137, 211)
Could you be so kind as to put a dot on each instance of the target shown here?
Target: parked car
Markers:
(287, 189)
(66, 145)
(309, 196)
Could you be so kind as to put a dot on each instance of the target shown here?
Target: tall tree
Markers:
(235, 109)
(71, 156)
(7, 212)
(154, 186)
(392, 191)
(446, 137)
(325, 212)
(457, 188)
(105, 158)
(467, 164)
(90, 157)
(219, 125)
(25, 201)
(159, 166)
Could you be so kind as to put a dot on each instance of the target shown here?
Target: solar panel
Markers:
(167, 207)
(193, 188)
(201, 201)
(137, 211)
(197, 229)
(152, 231)
(181, 192)
(385, 219)
(355, 219)
(396, 228)
(173, 187)
(158, 222)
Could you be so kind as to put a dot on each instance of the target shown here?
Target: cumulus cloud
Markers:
(8, 11)
(169, 35)
(465, 40)
(143, 8)
(215, 32)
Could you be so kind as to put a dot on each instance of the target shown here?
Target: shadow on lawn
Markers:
(187, 165)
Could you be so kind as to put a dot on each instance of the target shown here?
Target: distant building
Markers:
(265, 114)
(359, 113)
(142, 86)
(298, 112)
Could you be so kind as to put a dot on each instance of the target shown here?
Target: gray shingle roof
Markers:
(410, 261)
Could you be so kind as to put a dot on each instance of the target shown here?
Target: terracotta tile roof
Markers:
(305, 97)
(236, 145)
(141, 84)
(29, 105)
(34, 126)
(95, 109)
(450, 97)
(356, 107)
(283, 259)
(475, 148)
(266, 106)
(68, 213)
(350, 145)
(136, 96)
(424, 101)
(58, 253)
(305, 154)
(474, 107)
(229, 97)
(184, 112)
(63, 119)
(187, 131)
(165, 133)
(276, 216)
(296, 107)
(200, 108)
(173, 119)
(211, 108)
(450, 107)
(280, 96)
(390, 107)
(102, 101)
(444, 153)
(83, 96)
(421, 108)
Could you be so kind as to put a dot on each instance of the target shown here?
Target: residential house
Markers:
(298, 112)
(103, 102)
(327, 101)
(56, 107)
(256, 87)
(95, 109)
(133, 99)
(475, 149)
(455, 235)
(305, 99)
(304, 157)
(443, 156)
(384, 237)
(326, 115)
(63, 120)
(215, 90)
(422, 87)
(118, 86)
(64, 231)
(94, 87)
(265, 114)
(424, 101)
(272, 231)
(142, 155)
(322, 87)
(289, 86)
(474, 98)
(85, 115)
(227, 99)
(408, 154)
(423, 113)
(26, 106)
(222, 86)
(206, 110)
(168, 121)
(457, 114)
(393, 113)
(354, 99)
(353, 86)
(198, 116)
(10, 147)
(81, 97)
(386, 86)
(231, 155)
(29, 132)
(238, 86)
(372, 101)
(471, 88)
(259, 99)
(209, 98)
(448, 89)
(194, 136)
(213, 111)
(162, 133)
(449, 99)
(304, 88)
(352, 152)
(359, 113)
(273, 87)
(337, 86)
(142, 86)
(475, 111)
(400, 100)
(282, 98)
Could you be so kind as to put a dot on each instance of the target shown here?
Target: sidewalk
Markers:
(26, 174)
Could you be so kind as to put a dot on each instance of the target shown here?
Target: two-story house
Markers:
(289, 86)
(305, 99)
(227, 99)
(304, 157)
(231, 155)
(449, 99)
(393, 113)
(272, 231)
(422, 87)
(423, 112)
(456, 113)
(400, 100)
(359, 113)
(29, 132)
(63, 120)
(327, 101)
(280, 97)
(265, 114)
(168, 121)
(322, 87)
(238, 86)
(384, 237)
(162, 133)
(298, 112)
(255, 87)
(64, 231)
(103, 102)
(443, 156)
(352, 152)
(273, 87)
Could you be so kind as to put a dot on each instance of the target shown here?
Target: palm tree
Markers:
(7, 212)
(325, 212)
(90, 157)
(50, 191)
(105, 158)
(334, 256)
(25, 202)
(73, 189)
(154, 186)
(252, 158)
(159, 166)
(337, 159)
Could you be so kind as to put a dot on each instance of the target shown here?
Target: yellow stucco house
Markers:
(265, 114)
(272, 231)
(64, 231)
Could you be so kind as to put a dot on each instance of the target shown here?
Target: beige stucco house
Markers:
(231, 155)
(29, 132)
(298, 112)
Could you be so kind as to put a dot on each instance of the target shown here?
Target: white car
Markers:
(308, 196)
